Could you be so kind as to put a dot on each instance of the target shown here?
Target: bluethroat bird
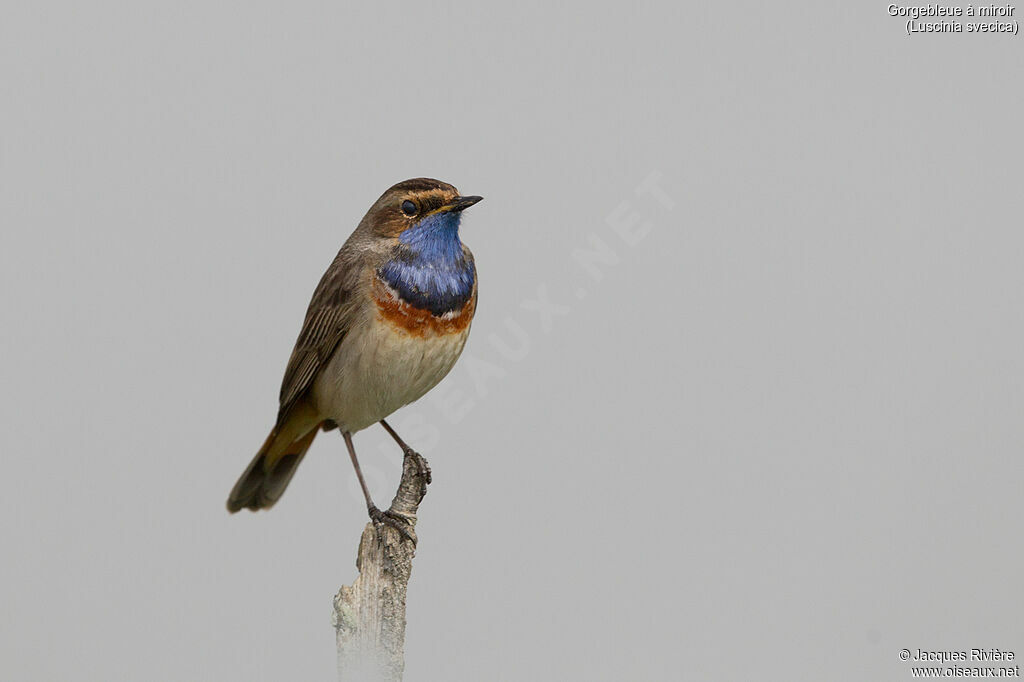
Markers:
(387, 322)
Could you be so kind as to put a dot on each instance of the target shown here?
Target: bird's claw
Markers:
(396, 521)
(422, 467)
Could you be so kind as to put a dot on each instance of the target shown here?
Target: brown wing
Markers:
(329, 315)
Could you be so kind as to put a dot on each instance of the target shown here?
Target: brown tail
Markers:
(270, 470)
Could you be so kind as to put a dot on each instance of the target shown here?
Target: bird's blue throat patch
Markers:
(428, 268)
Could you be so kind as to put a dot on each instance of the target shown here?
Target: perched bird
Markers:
(387, 322)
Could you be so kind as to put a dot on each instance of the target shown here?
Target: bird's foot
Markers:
(396, 521)
(422, 467)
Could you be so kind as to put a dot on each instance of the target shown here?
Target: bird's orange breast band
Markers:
(417, 321)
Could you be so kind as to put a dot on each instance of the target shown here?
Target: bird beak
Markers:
(462, 203)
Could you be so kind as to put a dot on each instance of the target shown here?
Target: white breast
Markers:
(377, 368)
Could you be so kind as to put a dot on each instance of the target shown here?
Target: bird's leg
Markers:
(376, 515)
(421, 461)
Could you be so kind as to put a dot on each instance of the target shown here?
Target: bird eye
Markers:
(408, 208)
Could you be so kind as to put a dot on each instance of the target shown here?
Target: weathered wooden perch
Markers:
(369, 615)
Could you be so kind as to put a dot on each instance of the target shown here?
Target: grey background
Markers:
(779, 438)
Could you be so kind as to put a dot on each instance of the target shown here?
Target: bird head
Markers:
(419, 211)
